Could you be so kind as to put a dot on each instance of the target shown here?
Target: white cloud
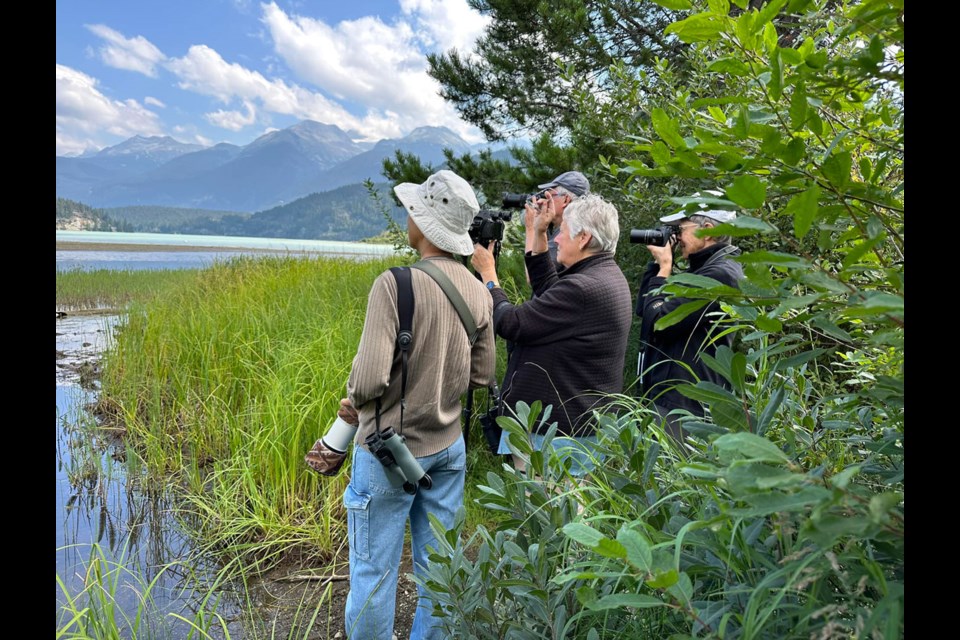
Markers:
(203, 71)
(133, 54)
(87, 119)
(233, 120)
(446, 24)
(380, 66)
(154, 102)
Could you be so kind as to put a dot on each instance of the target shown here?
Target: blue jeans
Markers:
(581, 450)
(377, 514)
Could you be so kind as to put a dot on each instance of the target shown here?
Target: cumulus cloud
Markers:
(85, 117)
(381, 66)
(133, 54)
(204, 71)
(445, 24)
(154, 102)
(233, 120)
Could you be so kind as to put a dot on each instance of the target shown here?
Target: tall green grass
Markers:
(114, 289)
(224, 382)
(227, 380)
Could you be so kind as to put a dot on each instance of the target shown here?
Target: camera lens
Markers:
(654, 237)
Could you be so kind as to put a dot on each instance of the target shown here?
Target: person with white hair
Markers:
(570, 339)
(442, 364)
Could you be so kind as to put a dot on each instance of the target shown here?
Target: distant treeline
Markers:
(70, 212)
(347, 213)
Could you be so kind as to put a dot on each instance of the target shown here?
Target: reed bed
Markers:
(79, 289)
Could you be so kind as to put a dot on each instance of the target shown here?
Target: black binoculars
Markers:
(401, 467)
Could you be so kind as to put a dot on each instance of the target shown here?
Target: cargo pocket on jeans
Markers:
(358, 521)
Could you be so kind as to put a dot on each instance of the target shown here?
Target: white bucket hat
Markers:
(443, 208)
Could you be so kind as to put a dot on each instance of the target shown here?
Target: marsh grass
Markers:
(225, 381)
(78, 289)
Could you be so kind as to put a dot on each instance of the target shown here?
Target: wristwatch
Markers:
(491, 284)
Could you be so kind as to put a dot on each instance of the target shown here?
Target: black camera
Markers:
(518, 200)
(488, 226)
(657, 237)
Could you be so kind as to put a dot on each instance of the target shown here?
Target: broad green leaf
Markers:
(730, 416)
(717, 114)
(770, 325)
(881, 505)
(842, 479)
(744, 226)
(708, 392)
(792, 152)
(803, 208)
(751, 447)
(774, 258)
(676, 5)
(667, 129)
(699, 27)
(831, 329)
(663, 579)
(798, 360)
(860, 249)
(638, 548)
(814, 123)
(769, 411)
(750, 477)
(798, 107)
(770, 10)
(773, 502)
(747, 191)
(729, 65)
(819, 280)
(729, 161)
(682, 590)
(790, 56)
(719, 6)
(620, 600)
(741, 127)
(679, 314)
(587, 536)
(738, 371)
(776, 73)
(610, 549)
(703, 282)
(829, 528)
(660, 153)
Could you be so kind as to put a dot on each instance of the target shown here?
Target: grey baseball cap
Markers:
(573, 181)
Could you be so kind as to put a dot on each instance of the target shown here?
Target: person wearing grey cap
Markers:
(559, 193)
(441, 365)
(672, 355)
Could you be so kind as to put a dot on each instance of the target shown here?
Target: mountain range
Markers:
(275, 169)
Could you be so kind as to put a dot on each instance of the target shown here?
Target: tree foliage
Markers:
(783, 515)
(512, 82)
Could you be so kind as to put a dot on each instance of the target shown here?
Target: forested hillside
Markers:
(348, 213)
(77, 216)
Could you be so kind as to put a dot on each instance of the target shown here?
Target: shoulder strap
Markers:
(404, 334)
(454, 296)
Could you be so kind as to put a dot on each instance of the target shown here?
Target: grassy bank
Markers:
(225, 380)
(115, 289)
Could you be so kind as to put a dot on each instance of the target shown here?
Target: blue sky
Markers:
(210, 71)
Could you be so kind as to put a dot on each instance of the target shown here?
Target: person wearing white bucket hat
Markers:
(442, 364)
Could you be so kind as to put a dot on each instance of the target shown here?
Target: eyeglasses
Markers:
(683, 227)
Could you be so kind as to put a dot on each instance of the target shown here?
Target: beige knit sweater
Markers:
(441, 363)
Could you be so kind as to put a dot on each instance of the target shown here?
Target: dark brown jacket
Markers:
(570, 340)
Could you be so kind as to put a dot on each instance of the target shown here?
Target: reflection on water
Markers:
(100, 500)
